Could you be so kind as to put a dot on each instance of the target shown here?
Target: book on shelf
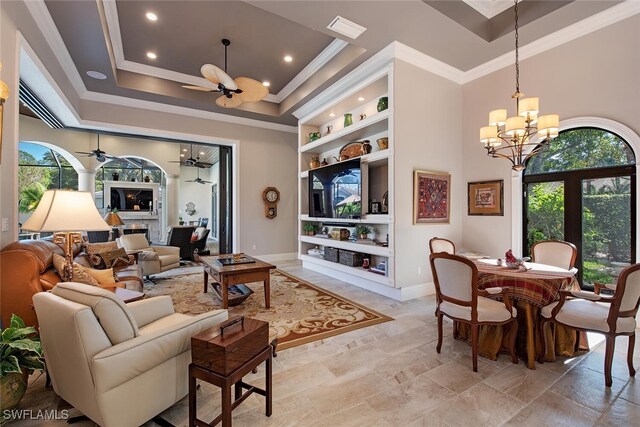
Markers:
(378, 271)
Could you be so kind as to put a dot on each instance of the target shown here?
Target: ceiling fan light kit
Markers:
(234, 92)
(100, 155)
(509, 137)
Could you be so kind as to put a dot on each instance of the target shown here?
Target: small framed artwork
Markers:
(486, 198)
(431, 197)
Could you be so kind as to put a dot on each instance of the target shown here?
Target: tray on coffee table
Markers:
(237, 293)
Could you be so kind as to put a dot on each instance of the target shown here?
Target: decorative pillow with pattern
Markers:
(79, 275)
(115, 258)
(94, 251)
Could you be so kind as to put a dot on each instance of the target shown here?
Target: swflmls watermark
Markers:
(30, 414)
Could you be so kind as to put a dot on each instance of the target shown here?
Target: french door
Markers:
(593, 208)
(225, 217)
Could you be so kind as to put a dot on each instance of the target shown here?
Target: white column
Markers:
(87, 181)
(171, 200)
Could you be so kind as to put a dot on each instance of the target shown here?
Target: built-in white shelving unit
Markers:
(361, 101)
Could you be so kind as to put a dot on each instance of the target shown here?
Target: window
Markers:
(581, 189)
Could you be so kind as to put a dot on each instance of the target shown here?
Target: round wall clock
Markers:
(271, 196)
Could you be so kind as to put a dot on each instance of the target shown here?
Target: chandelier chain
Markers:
(517, 56)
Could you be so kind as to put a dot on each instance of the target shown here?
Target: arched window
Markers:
(581, 189)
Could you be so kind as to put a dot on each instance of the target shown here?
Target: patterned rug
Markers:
(300, 312)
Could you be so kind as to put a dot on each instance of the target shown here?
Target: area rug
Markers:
(300, 312)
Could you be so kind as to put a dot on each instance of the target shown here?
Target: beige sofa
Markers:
(120, 365)
(152, 259)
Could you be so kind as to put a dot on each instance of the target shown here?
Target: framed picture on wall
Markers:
(431, 197)
(486, 198)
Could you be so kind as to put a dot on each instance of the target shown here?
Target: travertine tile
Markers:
(361, 415)
(522, 383)
(352, 361)
(631, 392)
(621, 413)
(458, 374)
(481, 405)
(586, 387)
(402, 368)
(553, 409)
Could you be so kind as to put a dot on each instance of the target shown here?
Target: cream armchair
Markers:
(152, 259)
(120, 365)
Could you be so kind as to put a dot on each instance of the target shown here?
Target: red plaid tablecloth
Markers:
(540, 285)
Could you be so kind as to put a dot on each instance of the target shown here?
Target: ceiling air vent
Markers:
(30, 99)
(345, 27)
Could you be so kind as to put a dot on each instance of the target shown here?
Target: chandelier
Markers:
(510, 138)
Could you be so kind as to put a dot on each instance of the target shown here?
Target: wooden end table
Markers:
(229, 275)
(126, 295)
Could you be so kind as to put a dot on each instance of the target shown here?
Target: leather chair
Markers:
(612, 316)
(120, 365)
(438, 244)
(199, 244)
(558, 253)
(458, 297)
(152, 259)
(180, 236)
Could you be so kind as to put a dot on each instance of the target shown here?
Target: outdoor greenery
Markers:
(606, 202)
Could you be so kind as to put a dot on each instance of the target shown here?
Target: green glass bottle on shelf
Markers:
(348, 119)
(383, 103)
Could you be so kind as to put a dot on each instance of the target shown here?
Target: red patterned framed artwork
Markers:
(431, 197)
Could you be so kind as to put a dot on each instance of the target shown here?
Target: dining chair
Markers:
(557, 253)
(438, 244)
(458, 298)
(612, 316)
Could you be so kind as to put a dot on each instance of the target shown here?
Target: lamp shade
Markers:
(497, 117)
(548, 126)
(489, 135)
(113, 219)
(515, 126)
(4, 91)
(65, 210)
(528, 107)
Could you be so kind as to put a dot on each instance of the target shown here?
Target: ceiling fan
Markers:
(192, 162)
(199, 180)
(234, 92)
(100, 155)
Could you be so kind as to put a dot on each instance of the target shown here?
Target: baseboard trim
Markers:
(400, 294)
(289, 256)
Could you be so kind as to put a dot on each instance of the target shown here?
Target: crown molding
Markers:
(428, 63)
(113, 25)
(42, 17)
(588, 25)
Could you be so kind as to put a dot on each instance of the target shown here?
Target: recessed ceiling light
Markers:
(332, 115)
(151, 16)
(96, 75)
(202, 153)
(184, 149)
(361, 99)
(266, 83)
(288, 58)
(151, 55)
(181, 155)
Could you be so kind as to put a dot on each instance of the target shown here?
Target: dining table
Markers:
(532, 286)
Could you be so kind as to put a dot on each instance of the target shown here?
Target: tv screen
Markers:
(335, 191)
(124, 199)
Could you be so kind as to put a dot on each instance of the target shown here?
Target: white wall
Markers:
(427, 136)
(595, 75)
(198, 194)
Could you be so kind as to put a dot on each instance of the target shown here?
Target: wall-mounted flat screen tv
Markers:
(336, 191)
(124, 199)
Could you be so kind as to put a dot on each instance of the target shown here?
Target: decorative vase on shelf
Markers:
(147, 178)
(366, 147)
(315, 162)
(383, 103)
(115, 176)
(324, 162)
(348, 119)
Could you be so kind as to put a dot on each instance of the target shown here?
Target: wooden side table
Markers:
(223, 359)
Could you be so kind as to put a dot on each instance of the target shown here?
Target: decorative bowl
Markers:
(315, 252)
(383, 143)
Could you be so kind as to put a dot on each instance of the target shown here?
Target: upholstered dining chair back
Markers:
(628, 288)
(454, 277)
(438, 244)
(557, 253)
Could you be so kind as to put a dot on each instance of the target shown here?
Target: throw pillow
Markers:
(194, 237)
(94, 250)
(79, 273)
(104, 277)
(200, 232)
(115, 258)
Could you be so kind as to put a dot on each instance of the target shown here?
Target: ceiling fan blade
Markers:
(252, 90)
(86, 153)
(200, 88)
(216, 76)
(204, 165)
(232, 102)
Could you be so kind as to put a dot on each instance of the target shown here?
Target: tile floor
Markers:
(391, 375)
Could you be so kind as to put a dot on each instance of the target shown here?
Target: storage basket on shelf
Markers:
(331, 254)
(352, 259)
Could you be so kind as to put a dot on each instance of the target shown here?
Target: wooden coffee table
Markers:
(230, 275)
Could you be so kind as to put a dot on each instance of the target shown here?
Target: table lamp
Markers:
(113, 219)
(66, 213)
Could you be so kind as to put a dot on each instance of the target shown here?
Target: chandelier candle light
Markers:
(510, 137)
